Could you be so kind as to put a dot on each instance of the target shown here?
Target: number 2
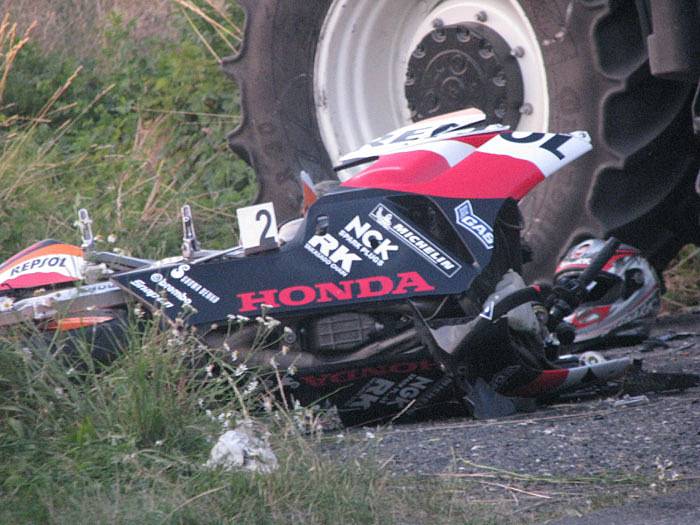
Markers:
(264, 237)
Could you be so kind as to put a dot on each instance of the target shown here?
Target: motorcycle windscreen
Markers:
(45, 263)
(507, 165)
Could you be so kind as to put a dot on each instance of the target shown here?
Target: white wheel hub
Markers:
(363, 54)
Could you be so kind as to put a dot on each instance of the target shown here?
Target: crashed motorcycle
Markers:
(397, 294)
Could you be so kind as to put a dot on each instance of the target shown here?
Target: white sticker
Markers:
(258, 226)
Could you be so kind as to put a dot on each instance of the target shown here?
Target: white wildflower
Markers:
(234, 356)
(251, 387)
(240, 370)
(369, 435)
(273, 362)
(267, 404)
(111, 238)
(267, 321)
(210, 370)
(6, 303)
(292, 370)
(159, 443)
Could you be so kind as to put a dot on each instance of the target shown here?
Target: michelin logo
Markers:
(419, 244)
(474, 224)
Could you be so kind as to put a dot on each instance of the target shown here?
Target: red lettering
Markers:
(403, 368)
(353, 374)
(366, 288)
(251, 300)
(371, 371)
(306, 293)
(315, 381)
(326, 290)
(411, 280)
(425, 364)
(344, 376)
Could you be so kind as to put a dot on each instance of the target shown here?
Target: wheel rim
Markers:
(364, 51)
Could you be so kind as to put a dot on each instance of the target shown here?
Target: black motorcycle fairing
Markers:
(357, 248)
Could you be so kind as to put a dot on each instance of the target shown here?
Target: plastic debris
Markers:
(591, 358)
(243, 448)
(661, 341)
(630, 401)
(673, 336)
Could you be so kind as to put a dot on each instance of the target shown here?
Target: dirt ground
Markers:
(567, 459)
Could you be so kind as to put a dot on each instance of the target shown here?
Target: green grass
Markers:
(127, 443)
(131, 132)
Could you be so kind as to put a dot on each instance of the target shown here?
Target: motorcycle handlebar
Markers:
(590, 273)
(566, 298)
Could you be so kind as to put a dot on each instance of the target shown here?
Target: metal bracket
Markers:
(190, 245)
(85, 225)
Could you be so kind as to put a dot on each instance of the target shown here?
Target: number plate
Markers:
(258, 227)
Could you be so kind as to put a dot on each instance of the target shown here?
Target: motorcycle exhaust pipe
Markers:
(262, 358)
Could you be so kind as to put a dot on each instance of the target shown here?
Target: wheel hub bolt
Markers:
(481, 16)
(517, 52)
(526, 109)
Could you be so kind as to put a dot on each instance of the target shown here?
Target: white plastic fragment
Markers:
(630, 401)
(243, 448)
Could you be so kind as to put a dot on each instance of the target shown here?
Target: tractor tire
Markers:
(317, 76)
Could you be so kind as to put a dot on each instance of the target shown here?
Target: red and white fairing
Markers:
(555, 381)
(45, 263)
(449, 157)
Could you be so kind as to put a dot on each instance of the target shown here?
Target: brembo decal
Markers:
(364, 288)
(474, 224)
(394, 224)
(161, 282)
(150, 293)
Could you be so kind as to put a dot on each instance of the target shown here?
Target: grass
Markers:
(682, 279)
(131, 131)
(127, 443)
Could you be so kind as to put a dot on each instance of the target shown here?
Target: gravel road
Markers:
(572, 457)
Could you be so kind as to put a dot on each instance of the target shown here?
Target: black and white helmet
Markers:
(623, 300)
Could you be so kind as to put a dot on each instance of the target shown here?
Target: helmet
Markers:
(623, 300)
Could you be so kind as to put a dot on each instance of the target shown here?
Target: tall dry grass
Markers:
(69, 27)
(134, 127)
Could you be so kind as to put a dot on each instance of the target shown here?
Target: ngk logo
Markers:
(368, 241)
